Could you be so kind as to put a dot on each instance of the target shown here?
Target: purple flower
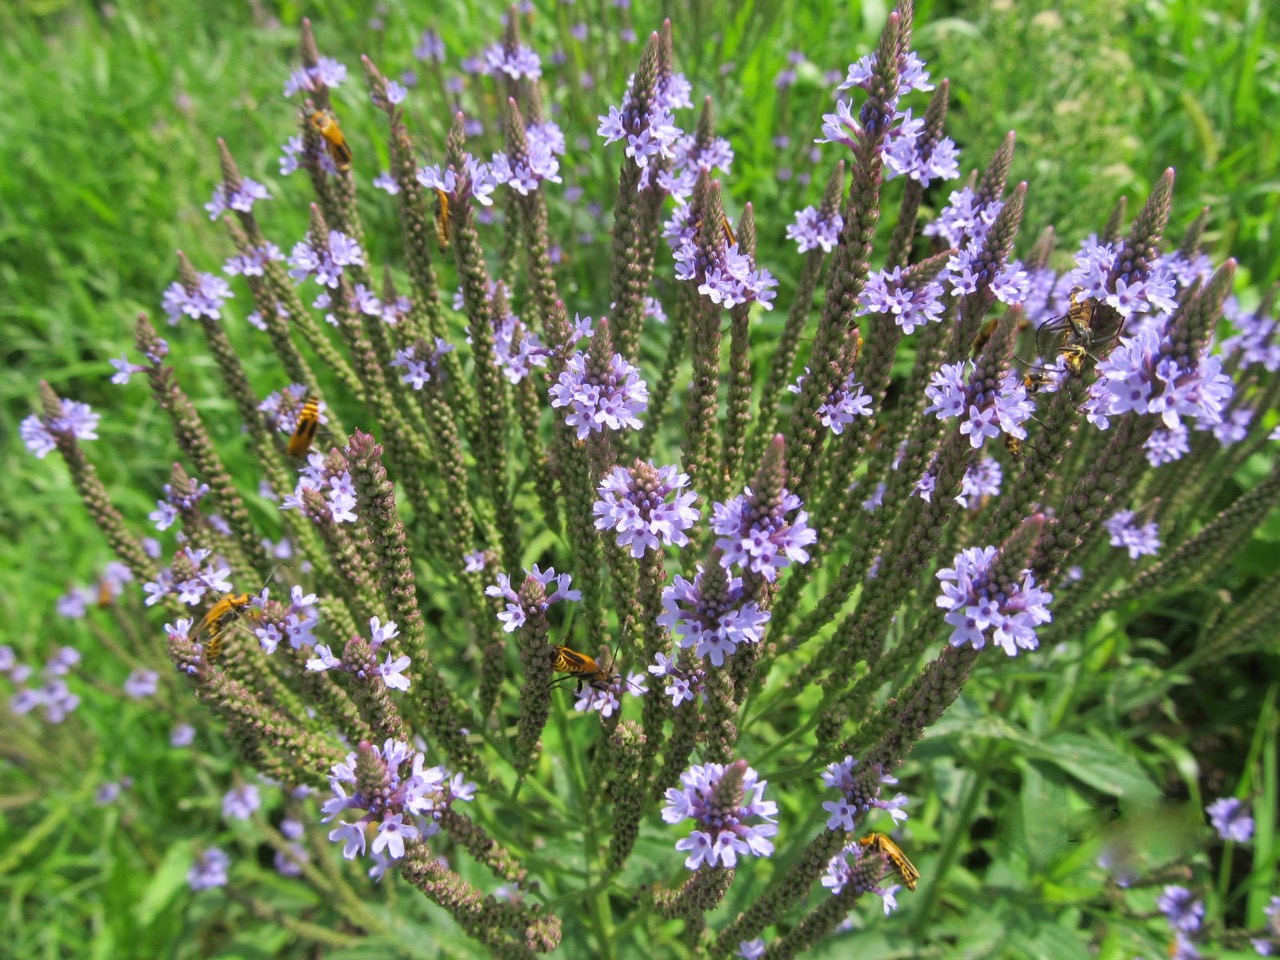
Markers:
(142, 683)
(204, 300)
(711, 623)
(841, 873)
(859, 794)
(634, 504)
(240, 802)
(982, 479)
(964, 218)
(519, 63)
(209, 870)
(892, 293)
(243, 199)
(842, 403)
(686, 685)
(74, 603)
(398, 795)
(327, 73)
(430, 47)
(1183, 911)
(723, 274)
(758, 537)
(182, 735)
(1233, 428)
(983, 413)
(720, 799)
(607, 699)
(420, 372)
(600, 400)
(476, 181)
(392, 672)
(515, 615)
(253, 263)
(1141, 375)
(648, 133)
(1230, 817)
(325, 263)
(1255, 344)
(1140, 540)
(336, 486)
(1166, 446)
(811, 230)
(77, 420)
(978, 609)
(751, 949)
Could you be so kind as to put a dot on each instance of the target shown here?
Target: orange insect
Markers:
(305, 431)
(893, 853)
(728, 230)
(583, 667)
(326, 124)
(217, 617)
(442, 220)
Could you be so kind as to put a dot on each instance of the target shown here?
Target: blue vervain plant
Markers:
(795, 580)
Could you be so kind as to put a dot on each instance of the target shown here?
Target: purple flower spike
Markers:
(634, 503)
(887, 292)
(1230, 817)
(1141, 540)
(611, 402)
(77, 419)
(1140, 376)
(983, 413)
(759, 538)
(209, 870)
(980, 610)
(713, 628)
(720, 799)
(204, 301)
(400, 797)
(514, 616)
(1183, 911)
(811, 230)
(858, 795)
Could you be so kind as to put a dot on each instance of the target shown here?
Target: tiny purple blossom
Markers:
(724, 834)
(77, 420)
(142, 683)
(858, 797)
(887, 292)
(1139, 539)
(712, 629)
(634, 504)
(209, 870)
(596, 404)
(763, 542)
(979, 610)
(811, 230)
(241, 802)
(1180, 907)
(1230, 817)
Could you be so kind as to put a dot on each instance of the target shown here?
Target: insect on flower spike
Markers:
(893, 853)
(442, 220)
(728, 230)
(305, 431)
(217, 616)
(326, 124)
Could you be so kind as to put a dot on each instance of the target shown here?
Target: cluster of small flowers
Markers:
(856, 800)
(633, 503)
(985, 413)
(612, 400)
(648, 133)
(242, 200)
(419, 371)
(686, 684)
(77, 420)
(408, 800)
(710, 626)
(331, 479)
(843, 403)
(720, 799)
(841, 872)
(905, 150)
(812, 231)
(725, 275)
(758, 537)
(912, 305)
(53, 696)
(204, 300)
(390, 671)
(1140, 540)
(75, 602)
(202, 579)
(325, 261)
(514, 616)
(978, 609)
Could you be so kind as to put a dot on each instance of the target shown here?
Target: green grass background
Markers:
(108, 120)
